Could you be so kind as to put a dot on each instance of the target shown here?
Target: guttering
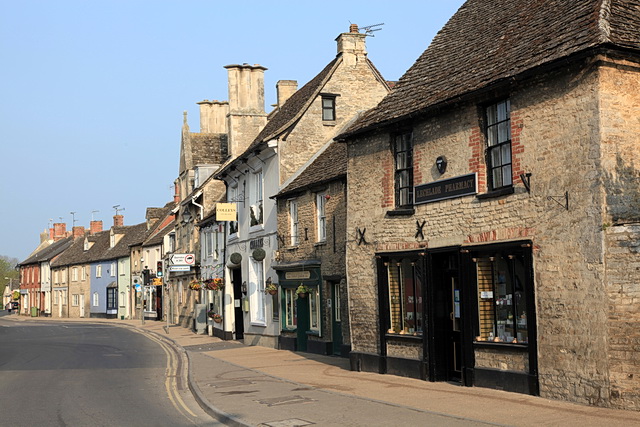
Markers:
(193, 201)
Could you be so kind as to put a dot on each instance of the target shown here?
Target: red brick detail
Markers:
(95, 227)
(517, 148)
(501, 234)
(417, 171)
(387, 182)
(477, 160)
(401, 246)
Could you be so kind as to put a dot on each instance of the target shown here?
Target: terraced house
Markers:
(494, 206)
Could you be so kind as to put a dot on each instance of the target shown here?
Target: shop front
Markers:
(462, 314)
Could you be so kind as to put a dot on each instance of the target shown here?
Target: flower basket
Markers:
(214, 284)
(302, 291)
(215, 316)
(196, 285)
(271, 289)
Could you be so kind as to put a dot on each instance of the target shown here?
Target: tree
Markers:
(8, 271)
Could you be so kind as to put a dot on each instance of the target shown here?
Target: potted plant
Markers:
(214, 284)
(195, 284)
(302, 291)
(215, 316)
(271, 288)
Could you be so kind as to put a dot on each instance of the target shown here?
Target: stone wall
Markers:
(557, 122)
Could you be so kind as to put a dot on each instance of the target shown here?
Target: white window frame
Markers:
(289, 308)
(256, 199)
(321, 216)
(96, 299)
(314, 317)
(256, 293)
(74, 274)
(75, 301)
(56, 297)
(99, 270)
(84, 273)
(113, 269)
(293, 220)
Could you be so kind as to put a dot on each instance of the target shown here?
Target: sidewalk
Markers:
(247, 385)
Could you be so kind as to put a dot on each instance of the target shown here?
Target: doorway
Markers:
(447, 317)
(81, 305)
(236, 280)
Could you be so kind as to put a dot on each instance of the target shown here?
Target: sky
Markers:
(93, 92)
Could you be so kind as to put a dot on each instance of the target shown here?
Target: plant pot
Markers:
(302, 295)
(272, 291)
(217, 320)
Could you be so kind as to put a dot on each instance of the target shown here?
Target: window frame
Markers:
(98, 270)
(95, 300)
(497, 131)
(256, 200)
(321, 216)
(328, 111)
(257, 295)
(112, 298)
(402, 143)
(294, 222)
(399, 282)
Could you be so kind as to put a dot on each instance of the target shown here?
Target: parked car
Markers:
(13, 305)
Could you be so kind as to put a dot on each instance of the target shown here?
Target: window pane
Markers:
(497, 178)
(495, 157)
(506, 175)
(503, 132)
(314, 310)
(395, 298)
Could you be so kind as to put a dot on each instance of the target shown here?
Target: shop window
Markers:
(405, 297)
(502, 298)
(314, 309)
(289, 308)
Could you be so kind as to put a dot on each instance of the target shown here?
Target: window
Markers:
(502, 297)
(314, 309)
(405, 296)
(112, 298)
(403, 153)
(293, 220)
(233, 197)
(256, 292)
(112, 239)
(56, 277)
(290, 315)
(328, 108)
(64, 297)
(499, 144)
(321, 200)
(76, 300)
(98, 270)
(255, 210)
(122, 299)
(84, 272)
(113, 269)
(74, 274)
(56, 297)
(96, 299)
(121, 266)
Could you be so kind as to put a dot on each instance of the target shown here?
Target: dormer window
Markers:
(112, 239)
(86, 244)
(328, 108)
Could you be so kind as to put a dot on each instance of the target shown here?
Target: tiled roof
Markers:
(331, 164)
(208, 148)
(158, 235)
(488, 41)
(132, 235)
(290, 111)
(76, 254)
(49, 252)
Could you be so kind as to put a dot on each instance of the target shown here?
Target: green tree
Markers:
(8, 272)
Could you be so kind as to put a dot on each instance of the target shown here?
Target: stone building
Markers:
(303, 122)
(494, 206)
(312, 216)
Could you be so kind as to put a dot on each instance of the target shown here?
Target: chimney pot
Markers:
(118, 220)
(353, 28)
(95, 227)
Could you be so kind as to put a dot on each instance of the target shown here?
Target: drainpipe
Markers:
(193, 201)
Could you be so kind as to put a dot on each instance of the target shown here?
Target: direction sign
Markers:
(182, 259)
(179, 268)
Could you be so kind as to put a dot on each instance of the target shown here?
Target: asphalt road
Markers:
(83, 374)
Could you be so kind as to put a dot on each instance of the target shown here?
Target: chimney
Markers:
(118, 220)
(246, 116)
(176, 192)
(285, 89)
(95, 227)
(352, 46)
(46, 235)
(213, 116)
(78, 231)
(59, 231)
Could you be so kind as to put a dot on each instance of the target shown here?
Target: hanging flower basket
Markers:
(271, 288)
(302, 291)
(215, 316)
(15, 295)
(214, 284)
(195, 284)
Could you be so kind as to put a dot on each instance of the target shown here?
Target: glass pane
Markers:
(495, 157)
(327, 114)
(314, 309)
(491, 115)
(401, 160)
(502, 111)
(492, 136)
(506, 175)
(395, 298)
(327, 103)
(497, 178)
(506, 153)
(503, 132)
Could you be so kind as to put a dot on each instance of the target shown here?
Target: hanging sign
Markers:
(226, 212)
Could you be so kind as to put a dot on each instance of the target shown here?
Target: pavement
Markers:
(256, 386)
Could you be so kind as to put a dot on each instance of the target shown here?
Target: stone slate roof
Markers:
(132, 235)
(329, 165)
(76, 254)
(157, 236)
(208, 148)
(49, 252)
(490, 41)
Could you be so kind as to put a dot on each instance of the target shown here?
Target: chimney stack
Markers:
(352, 46)
(59, 231)
(95, 227)
(246, 116)
(213, 116)
(78, 231)
(118, 220)
(285, 89)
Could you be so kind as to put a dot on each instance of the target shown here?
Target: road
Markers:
(84, 374)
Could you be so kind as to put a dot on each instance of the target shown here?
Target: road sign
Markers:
(182, 259)
(179, 268)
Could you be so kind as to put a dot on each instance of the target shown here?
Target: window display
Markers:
(405, 297)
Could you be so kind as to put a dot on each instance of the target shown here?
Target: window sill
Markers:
(329, 123)
(314, 333)
(259, 324)
(322, 243)
(401, 212)
(404, 336)
(501, 345)
(496, 193)
(256, 228)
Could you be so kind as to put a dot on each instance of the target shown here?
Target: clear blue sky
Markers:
(93, 91)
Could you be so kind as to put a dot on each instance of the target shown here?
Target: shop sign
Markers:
(257, 243)
(446, 189)
(226, 212)
(297, 275)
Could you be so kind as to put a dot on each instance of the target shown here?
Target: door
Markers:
(455, 353)
(236, 280)
(303, 323)
(336, 319)
(81, 305)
